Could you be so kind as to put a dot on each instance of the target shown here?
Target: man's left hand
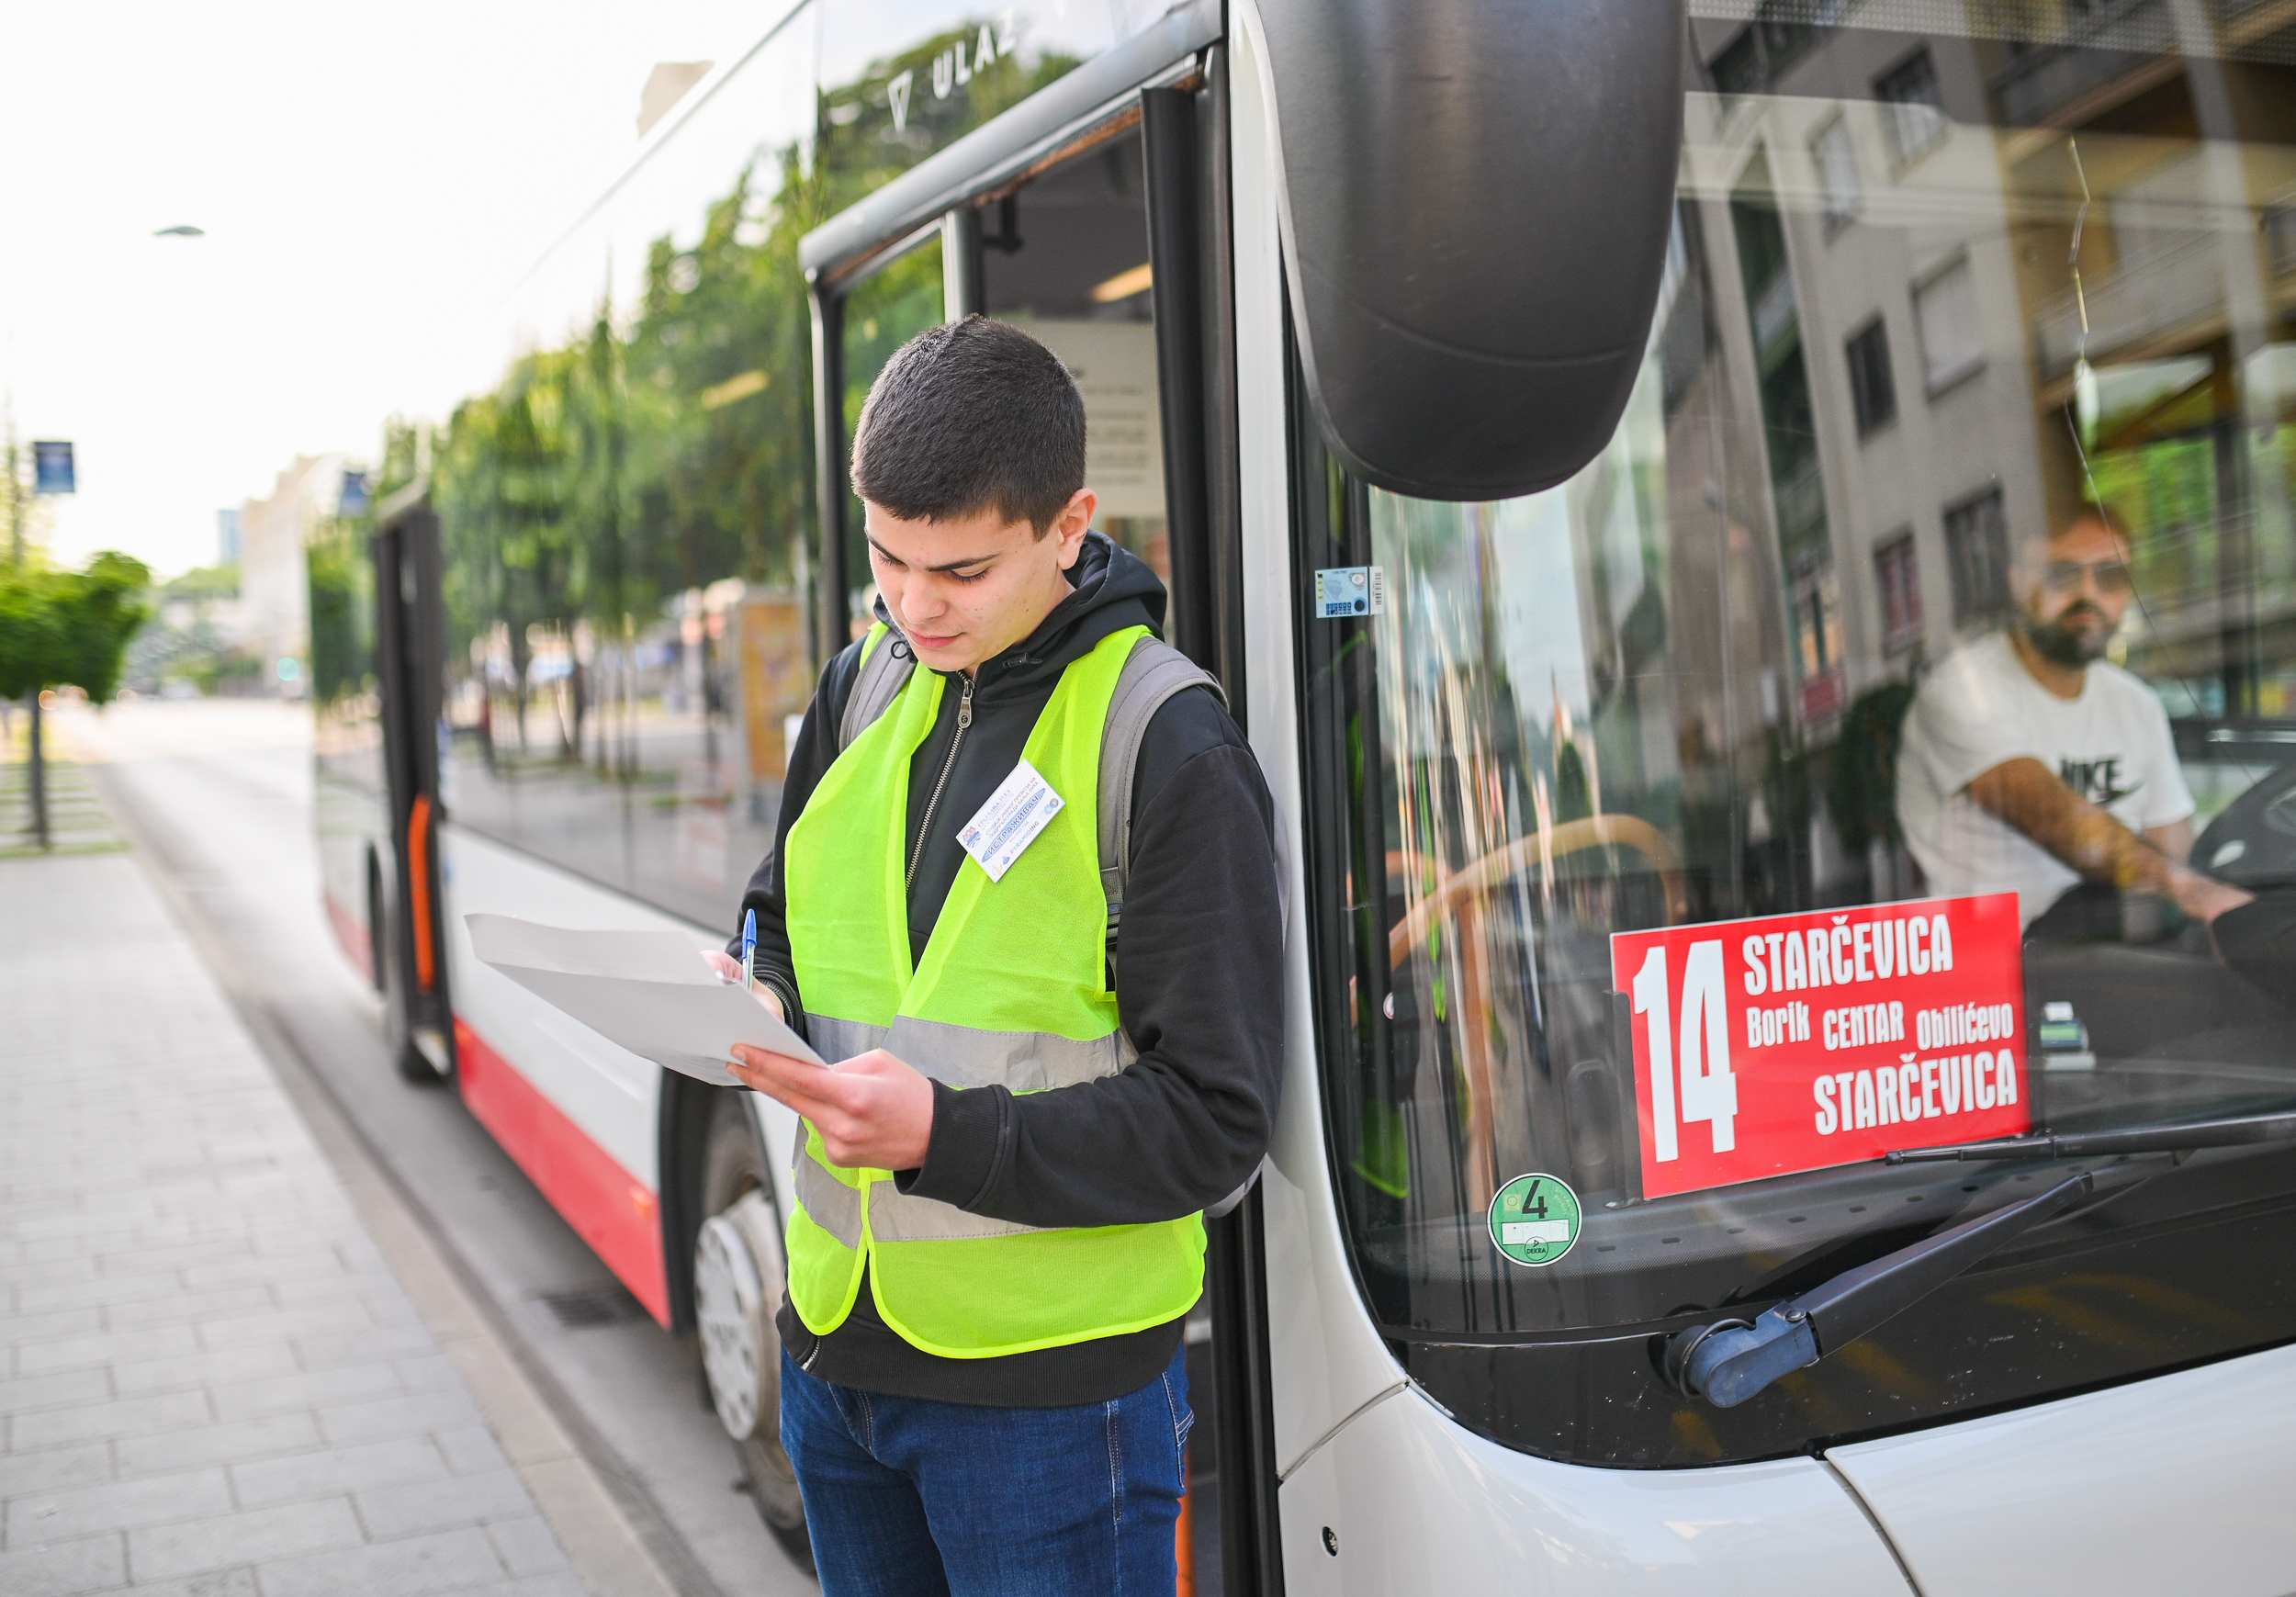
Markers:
(872, 1111)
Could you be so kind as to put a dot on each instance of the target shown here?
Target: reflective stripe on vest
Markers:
(1011, 991)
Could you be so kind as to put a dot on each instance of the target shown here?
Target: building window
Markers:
(1898, 575)
(2279, 237)
(1840, 195)
(1945, 314)
(1913, 107)
(1976, 546)
(1873, 390)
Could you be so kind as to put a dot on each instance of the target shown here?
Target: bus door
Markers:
(1112, 252)
(410, 632)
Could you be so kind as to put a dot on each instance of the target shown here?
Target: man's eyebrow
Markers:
(948, 565)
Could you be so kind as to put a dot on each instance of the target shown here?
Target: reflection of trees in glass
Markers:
(670, 446)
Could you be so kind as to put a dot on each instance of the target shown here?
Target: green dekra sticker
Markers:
(1535, 1219)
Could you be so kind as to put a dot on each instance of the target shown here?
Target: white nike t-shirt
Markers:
(1980, 707)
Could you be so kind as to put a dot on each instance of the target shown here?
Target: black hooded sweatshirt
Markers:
(1199, 975)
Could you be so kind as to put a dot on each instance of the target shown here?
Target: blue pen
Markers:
(749, 948)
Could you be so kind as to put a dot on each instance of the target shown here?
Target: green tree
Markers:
(66, 629)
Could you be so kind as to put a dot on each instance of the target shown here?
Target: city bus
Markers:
(1617, 460)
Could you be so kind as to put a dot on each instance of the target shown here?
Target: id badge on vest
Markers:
(1022, 805)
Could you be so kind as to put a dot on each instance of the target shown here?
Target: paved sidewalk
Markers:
(210, 1383)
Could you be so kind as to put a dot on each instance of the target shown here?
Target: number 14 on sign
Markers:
(1709, 1092)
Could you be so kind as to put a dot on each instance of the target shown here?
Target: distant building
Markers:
(274, 588)
(226, 537)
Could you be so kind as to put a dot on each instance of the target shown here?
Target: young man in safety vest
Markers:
(999, 1232)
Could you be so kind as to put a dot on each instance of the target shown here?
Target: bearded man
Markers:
(2031, 764)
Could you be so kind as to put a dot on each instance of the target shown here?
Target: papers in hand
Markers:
(648, 990)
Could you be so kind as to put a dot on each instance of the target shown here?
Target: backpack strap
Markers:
(884, 672)
(1153, 673)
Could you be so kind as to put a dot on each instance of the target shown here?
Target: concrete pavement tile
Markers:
(563, 1585)
(304, 1390)
(54, 1468)
(190, 1310)
(314, 1260)
(449, 1561)
(377, 1341)
(401, 1414)
(428, 1372)
(55, 1326)
(75, 1267)
(121, 1417)
(215, 1367)
(391, 1308)
(528, 1546)
(91, 1347)
(115, 1505)
(63, 1569)
(95, 1291)
(445, 1503)
(244, 1439)
(291, 1531)
(371, 1466)
(281, 1324)
(178, 1255)
(236, 1582)
(47, 1391)
(471, 1450)
(298, 1290)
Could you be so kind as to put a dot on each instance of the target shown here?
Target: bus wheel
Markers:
(738, 1275)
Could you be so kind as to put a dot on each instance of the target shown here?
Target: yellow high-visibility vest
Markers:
(1012, 990)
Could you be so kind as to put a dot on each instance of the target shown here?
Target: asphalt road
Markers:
(218, 794)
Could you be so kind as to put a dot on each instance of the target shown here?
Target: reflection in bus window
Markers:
(626, 514)
(1944, 550)
(1067, 258)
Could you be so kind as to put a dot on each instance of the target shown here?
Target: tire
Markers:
(737, 1283)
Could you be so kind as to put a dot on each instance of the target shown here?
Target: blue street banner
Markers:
(52, 468)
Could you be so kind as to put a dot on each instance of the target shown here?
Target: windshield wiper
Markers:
(1728, 1360)
(2137, 1139)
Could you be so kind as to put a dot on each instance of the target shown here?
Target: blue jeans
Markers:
(910, 1497)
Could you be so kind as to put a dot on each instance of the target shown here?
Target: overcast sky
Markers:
(372, 179)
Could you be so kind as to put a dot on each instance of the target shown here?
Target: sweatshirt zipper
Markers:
(965, 719)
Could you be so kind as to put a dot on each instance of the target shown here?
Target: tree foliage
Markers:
(668, 444)
(70, 628)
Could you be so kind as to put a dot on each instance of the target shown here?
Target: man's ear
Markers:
(1074, 522)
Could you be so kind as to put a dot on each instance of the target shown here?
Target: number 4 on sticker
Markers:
(1709, 1092)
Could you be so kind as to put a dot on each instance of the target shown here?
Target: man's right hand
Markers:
(729, 969)
(2028, 795)
(2204, 897)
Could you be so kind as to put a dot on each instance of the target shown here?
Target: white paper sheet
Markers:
(648, 990)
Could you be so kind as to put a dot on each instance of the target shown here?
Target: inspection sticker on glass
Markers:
(1535, 1219)
(1345, 591)
(1022, 805)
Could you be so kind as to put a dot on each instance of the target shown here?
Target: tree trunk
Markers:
(38, 769)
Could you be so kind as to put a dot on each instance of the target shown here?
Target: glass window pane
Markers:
(1701, 696)
(1067, 259)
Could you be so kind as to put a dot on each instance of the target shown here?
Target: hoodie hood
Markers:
(1114, 590)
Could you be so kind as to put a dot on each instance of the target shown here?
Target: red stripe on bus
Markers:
(613, 1210)
(351, 932)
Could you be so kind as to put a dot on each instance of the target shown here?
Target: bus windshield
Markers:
(1879, 743)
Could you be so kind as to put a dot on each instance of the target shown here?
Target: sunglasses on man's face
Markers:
(2110, 575)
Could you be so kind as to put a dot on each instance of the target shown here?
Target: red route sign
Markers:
(1793, 1043)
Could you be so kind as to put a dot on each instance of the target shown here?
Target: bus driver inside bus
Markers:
(2031, 764)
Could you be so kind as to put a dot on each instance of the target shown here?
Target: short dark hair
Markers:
(968, 416)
